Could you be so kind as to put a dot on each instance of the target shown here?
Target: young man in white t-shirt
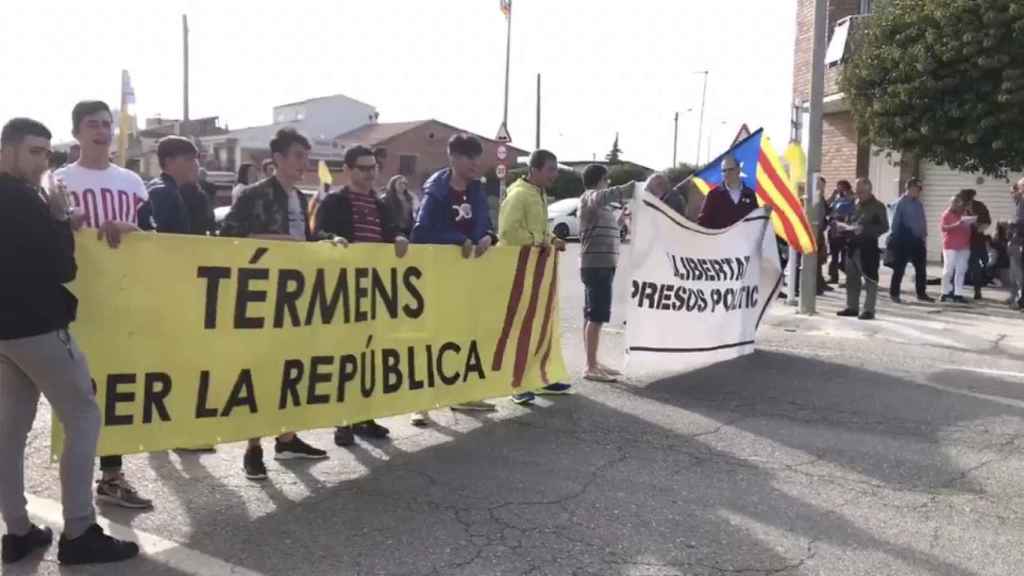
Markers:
(105, 197)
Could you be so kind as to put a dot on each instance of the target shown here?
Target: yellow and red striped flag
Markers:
(762, 172)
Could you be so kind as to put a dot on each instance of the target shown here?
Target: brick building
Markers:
(847, 156)
(416, 149)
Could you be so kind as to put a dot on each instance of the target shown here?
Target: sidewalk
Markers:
(985, 325)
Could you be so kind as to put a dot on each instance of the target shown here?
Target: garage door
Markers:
(941, 184)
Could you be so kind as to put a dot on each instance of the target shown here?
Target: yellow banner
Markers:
(196, 341)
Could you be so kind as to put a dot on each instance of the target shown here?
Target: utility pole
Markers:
(503, 135)
(809, 277)
(538, 112)
(184, 37)
(675, 141)
(703, 101)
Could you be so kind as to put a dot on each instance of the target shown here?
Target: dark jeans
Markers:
(910, 251)
(976, 269)
(837, 262)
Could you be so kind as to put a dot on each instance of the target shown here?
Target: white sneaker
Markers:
(418, 419)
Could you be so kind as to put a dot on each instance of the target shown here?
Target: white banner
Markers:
(697, 295)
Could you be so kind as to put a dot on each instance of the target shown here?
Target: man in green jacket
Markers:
(523, 221)
(870, 221)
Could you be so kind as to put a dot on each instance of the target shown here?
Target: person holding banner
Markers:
(455, 211)
(676, 199)
(355, 214)
(729, 202)
(870, 220)
(599, 255)
(39, 355)
(523, 221)
(111, 199)
(274, 209)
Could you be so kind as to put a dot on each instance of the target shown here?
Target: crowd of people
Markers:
(854, 220)
(41, 206)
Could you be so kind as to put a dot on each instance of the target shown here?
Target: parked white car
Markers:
(564, 220)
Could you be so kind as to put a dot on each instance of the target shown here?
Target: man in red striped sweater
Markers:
(356, 214)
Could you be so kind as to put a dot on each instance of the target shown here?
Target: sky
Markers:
(607, 67)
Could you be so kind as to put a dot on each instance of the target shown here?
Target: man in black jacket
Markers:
(38, 354)
(275, 209)
(356, 214)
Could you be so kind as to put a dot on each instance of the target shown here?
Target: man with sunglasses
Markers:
(730, 202)
(356, 214)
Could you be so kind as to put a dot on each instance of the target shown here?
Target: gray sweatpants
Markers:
(53, 365)
(1016, 253)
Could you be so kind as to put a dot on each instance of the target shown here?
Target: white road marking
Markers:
(154, 548)
(987, 371)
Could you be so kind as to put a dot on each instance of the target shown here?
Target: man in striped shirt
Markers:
(599, 255)
(356, 214)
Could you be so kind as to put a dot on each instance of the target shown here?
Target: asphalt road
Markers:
(841, 447)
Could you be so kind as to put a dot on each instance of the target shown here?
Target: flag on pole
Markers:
(324, 173)
(762, 172)
(326, 180)
(506, 8)
(124, 118)
(796, 163)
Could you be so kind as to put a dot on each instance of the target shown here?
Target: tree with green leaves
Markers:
(615, 155)
(942, 80)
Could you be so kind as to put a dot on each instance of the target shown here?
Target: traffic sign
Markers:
(501, 171)
(503, 135)
(502, 152)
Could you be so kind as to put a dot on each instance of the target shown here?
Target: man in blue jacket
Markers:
(176, 204)
(909, 235)
(455, 212)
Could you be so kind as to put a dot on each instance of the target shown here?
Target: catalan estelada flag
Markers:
(762, 173)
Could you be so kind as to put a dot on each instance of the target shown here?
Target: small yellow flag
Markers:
(324, 173)
(797, 163)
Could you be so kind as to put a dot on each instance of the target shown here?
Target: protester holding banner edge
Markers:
(39, 355)
(274, 209)
(523, 221)
(599, 256)
(91, 177)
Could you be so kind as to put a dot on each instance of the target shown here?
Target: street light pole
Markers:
(809, 277)
(508, 62)
(703, 101)
(675, 141)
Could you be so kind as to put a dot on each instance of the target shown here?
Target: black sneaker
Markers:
(296, 449)
(960, 300)
(253, 464)
(946, 298)
(925, 298)
(17, 547)
(343, 436)
(867, 316)
(370, 429)
(95, 547)
(848, 313)
(896, 298)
